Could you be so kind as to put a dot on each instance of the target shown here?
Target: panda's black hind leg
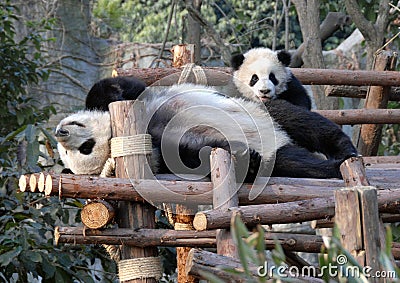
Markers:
(295, 161)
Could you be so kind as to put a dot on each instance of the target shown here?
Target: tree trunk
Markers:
(308, 13)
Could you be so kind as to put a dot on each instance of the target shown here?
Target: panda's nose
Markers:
(265, 91)
(62, 132)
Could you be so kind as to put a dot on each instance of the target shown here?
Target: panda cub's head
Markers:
(261, 74)
(83, 141)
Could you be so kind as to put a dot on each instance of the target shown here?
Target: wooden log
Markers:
(224, 196)
(23, 183)
(169, 76)
(200, 261)
(184, 222)
(362, 116)
(97, 214)
(32, 183)
(278, 189)
(368, 160)
(251, 215)
(347, 219)
(53, 189)
(329, 223)
(371, 227)
(181, 238)
(127, 120)
(138, 237)
(357, 92)
(353, 172)
(41, 182)
(377, 98)
(182, 55)
(289, 212)
(221, 76)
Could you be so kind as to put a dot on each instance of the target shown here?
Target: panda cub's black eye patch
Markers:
(273, 79)
(77, 124)
(87, 147)
(254, 80)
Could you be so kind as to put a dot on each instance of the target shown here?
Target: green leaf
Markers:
(34, 256)
(48, 268)
(7, 257)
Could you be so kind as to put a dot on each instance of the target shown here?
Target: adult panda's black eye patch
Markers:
(87, 147)
(254, 80)
(77, 124)
(273, 79)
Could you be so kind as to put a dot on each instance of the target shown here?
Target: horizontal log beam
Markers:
(177, 238)
(221, 76)
(290, 212)
(362, 116)
(357, 91)
(138, 238)
(277, 190)
(182, 238)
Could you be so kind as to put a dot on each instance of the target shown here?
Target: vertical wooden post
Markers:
(357, 215)
(377, 98)
(224, 196)
(184, 221)
(183, 54)
(127, 120)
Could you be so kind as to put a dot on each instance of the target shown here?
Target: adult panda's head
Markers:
(83, 141)
(261, 74)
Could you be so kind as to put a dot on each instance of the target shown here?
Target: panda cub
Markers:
(263, 75)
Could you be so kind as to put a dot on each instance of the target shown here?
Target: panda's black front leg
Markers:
(298, 162)
(311, 130)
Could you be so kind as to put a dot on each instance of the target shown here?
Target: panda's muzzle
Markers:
(62, 133)
(265, 94)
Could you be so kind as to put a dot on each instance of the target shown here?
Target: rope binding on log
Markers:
(129, 145)
(139, 268)
(198, 72)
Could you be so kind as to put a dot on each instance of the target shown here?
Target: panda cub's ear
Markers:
(237, 61)
(284, 57)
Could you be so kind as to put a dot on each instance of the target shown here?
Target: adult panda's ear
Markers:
(284, 57)
(237, 61)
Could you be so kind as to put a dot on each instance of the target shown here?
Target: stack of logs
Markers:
(284, 200)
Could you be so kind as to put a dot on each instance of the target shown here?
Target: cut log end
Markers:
(189, 261)
(32, 183)
(353, 172)
(48, 186)
(41, 183)
(22, 183)
(56, 235)
(97, 214)
(200, 221)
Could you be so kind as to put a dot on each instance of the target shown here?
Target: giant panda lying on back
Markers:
(263, 75)
(78, 135)
(184, 120)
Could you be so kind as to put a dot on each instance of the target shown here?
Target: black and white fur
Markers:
(263, 74)
(109, 90)
(185, 122)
